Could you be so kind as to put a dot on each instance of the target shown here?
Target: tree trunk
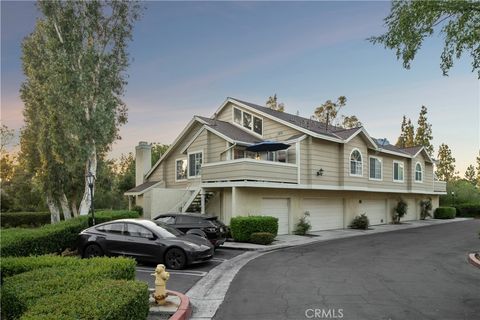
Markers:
(74, 206)
(91, 166)
(67, 215)
(54, 210)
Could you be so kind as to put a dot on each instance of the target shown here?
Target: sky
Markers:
(188, 57)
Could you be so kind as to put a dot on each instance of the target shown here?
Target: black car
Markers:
(214, 229)
(144, 240)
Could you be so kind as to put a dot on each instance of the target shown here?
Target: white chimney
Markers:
(143, 161)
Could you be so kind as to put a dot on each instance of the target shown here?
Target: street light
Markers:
(453, 199)
(90, 181)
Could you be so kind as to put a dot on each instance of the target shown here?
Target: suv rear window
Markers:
(188, 220)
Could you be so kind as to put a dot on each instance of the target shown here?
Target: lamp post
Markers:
(453, 199)
(91, 180)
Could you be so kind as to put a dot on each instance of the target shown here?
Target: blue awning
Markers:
(268, 146)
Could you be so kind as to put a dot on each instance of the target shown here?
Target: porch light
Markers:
(320, 172)
(90, 180)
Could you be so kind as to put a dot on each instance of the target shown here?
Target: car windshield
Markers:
(166, 231)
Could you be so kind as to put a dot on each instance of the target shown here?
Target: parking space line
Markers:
(218, 259)
(184, 272)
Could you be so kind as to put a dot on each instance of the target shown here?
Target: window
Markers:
(271, 155)
(238, 153)
(237, 116)
(116, 228)
(418, 172)
(282, 156)
(135, 230)
(194, 164)
(397, 171)
(375, 168)
(167, 220)
(181, 169)
(188, 220)
(247, 120)
(257, 125)
(356, 163)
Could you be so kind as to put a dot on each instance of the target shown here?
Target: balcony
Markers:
(440, 186)
(250, 170)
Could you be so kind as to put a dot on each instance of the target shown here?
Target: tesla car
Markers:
(214, 229)
(144, 240)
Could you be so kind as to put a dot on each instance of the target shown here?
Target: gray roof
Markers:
(231, 131)
(142, 187)
(412, 150)
(390, 147)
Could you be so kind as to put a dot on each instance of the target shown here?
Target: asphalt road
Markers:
(417, 273)
(183, 280)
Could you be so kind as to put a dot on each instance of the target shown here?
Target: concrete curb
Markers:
(474, 260)
(184, 309)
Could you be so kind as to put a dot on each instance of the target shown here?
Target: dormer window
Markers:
(248, 121)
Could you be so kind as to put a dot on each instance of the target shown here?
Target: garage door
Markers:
(325, 213)
(277, 208)
(411, 211)
(376, 211)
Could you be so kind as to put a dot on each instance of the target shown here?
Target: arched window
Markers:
(418, 172)
(355, 163)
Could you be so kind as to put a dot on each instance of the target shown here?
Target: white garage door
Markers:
(376, 211)
(325, 213)
(277, 208)
(411, 211)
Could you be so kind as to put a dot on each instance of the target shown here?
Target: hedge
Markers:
(243, 227)
(262, 238)
(24, 219)
(53, 238)
(445, 213)
(104, 300)
(468, 210)
(22, 291)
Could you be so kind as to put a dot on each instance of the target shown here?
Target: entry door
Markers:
(277, 208)
(375, 210)
(325, 213)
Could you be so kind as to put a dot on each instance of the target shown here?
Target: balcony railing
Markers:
(439, 186)
(250, 170)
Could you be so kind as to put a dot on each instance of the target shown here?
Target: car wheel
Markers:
(92, 250)
(175, 259)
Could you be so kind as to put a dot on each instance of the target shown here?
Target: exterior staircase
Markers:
(194, 204)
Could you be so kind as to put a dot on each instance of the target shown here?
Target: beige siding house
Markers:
(333, 173)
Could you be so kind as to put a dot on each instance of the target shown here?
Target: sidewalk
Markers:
(290, 240)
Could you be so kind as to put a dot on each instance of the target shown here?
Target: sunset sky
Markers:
(187, 57)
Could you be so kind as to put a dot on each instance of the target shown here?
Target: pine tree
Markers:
(401, 141)
(328, 111)
(470, 174)
(273, 104)
(446, 164)
(409, 134)
(423, 136)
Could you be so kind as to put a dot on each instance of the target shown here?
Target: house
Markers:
(233, 163)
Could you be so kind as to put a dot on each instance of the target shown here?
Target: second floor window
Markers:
(181, 169)
(418, 172)
(194, 164)
(398, 171)
(356, 163)
(248, 121)
(375, 168)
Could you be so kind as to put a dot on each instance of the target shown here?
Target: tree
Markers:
(423, 136)
(407, 134)
(478, 169)
(350, 122)
(446, 164)
(158, 150)
(410, 22)
(328, 111)
(272, 104)
(402, 140)
(6, 136)
(75, 63)
(470, 174)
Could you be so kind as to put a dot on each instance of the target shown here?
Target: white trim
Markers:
(143, 191)
(350, 163)
(415, 172)
(403, 155)
(380, 159)
(292, 141)
(193, 139)
(425, 152)
(297, 159)
(280, 185)
(393, 171)
(188, 163)
(186, 177)
(241, 126)
(364, 131)
(212, 164)
(221, 135)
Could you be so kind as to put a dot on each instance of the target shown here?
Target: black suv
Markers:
(215, 230)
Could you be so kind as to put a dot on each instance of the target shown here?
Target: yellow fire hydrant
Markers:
(161, 277)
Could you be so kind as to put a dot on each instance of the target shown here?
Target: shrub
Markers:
(22, 291)
(399, 211)
(445, 213)
(360, 222)
(425, 209)
(53, 238)
(243, 227)
(112, 300)
(24, 219)
(138, 209)
(262, 238)
(303, 225)
(468, 210)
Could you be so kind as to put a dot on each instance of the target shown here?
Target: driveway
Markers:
(183, 280)
(417, 273)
